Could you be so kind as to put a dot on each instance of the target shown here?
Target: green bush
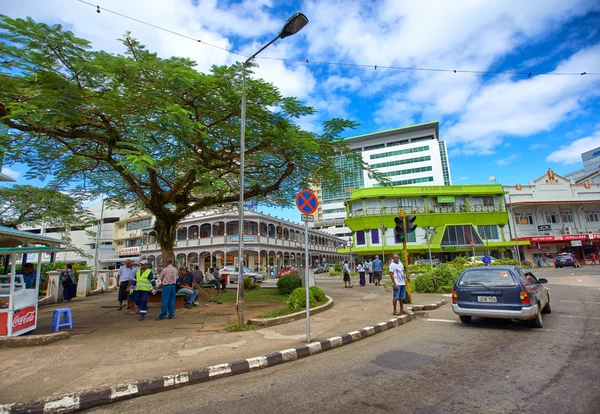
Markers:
(334, 272)
(318, 293)
(297, 299)
(506, 262)
(418, 268)
(247, 283)
(459, 261)
(446, 276)
(337, 267)
(287, 284)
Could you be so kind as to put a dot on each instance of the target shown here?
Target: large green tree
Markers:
(27, 205)
(152, 132)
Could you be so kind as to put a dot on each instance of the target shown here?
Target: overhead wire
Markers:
(99, 9)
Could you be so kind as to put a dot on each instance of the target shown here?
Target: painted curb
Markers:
(32, 340)
(109, 394)
(433, 306)
(279, 320)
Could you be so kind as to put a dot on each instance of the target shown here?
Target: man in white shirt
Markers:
(399, 281)
(124, 275)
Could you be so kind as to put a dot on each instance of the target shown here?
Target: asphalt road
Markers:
(432, 365)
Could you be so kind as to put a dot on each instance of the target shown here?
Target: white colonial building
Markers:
(208, 239)
(556, 214)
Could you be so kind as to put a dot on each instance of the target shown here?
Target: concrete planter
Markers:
(84, 283)
(55, 289)
(266, 322)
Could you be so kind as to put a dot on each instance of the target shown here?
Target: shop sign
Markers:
(129, 250)
(23, 319)
(576, 243)
(237, 238)
(3, 323)
(565, 237)
(545, 227)
(445, 199)
(594, 236)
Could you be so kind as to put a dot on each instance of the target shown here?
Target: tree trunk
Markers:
(166, 231)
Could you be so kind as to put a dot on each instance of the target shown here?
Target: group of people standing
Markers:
(373, 267)
(137, 283)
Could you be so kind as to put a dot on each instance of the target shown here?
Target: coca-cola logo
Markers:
(24, 318)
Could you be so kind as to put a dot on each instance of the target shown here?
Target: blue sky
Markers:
(508, 126)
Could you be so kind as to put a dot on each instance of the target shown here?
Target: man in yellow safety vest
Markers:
(141, 287)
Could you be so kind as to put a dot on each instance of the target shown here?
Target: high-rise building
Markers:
(411, 155)
(590, 173)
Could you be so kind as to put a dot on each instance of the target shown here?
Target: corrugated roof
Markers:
(10, 237)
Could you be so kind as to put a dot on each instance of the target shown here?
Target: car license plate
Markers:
(487, 299)
(562, 261)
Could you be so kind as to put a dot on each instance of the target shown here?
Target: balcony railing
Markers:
(422, 210)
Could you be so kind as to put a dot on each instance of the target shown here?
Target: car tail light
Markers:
(454, 297)
(525, 299)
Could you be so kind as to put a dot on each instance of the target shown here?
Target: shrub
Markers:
(247, 283)
(506, 262)
(297, 299)
(318, 293)
(337, 267)
(287, 284)
(459, 261)
(446, 276)
(418, 268)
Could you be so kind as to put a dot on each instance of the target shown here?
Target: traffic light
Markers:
(410, 227)
(400, 230)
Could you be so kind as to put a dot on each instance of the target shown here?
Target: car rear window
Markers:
(563, 256)
(487, 277)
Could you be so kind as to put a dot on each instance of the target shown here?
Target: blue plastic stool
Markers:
(57, 316)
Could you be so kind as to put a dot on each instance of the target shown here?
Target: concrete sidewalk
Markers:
(108, 347)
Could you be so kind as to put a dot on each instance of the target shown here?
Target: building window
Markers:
(401, 162)
(407, 171)
(566, 216)
(460, 236)
(375, 236)
(334, 210)
(373, 147)
(360, 238)
(406, 182)
(592, 215)
(399, 152)
(524, 218)
(488, 232)
(135, 225)
(550, 217)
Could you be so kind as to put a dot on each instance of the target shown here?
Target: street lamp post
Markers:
(291, 27)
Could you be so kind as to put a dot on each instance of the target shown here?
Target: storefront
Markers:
(582, 245)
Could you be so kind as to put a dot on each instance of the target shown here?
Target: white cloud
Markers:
(571, 154)
(534, 147)
(11, 173)
(508, 160)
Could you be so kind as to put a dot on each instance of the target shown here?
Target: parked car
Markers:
(566, 259)
(320, 269)
(478, 259)
(234, 274)
(504, 292)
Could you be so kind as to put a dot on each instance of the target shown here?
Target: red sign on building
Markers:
(3, 321)
(23, 319)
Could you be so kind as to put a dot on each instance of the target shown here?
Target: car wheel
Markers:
(538, 321)
(465, 319)
(547, 309)
(555, 266)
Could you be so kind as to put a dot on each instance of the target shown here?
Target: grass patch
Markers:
(253, 295)
(284, 311)
(236, 327)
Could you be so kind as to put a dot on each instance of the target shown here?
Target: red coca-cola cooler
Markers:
(18, 300)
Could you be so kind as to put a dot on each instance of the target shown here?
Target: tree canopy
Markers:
(27, 205)
(152, 132)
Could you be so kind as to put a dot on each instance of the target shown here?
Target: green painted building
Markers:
(455, 217)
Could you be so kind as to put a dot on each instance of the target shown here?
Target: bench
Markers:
(179, 299)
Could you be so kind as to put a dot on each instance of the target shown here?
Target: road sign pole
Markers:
(405, 248)
(306, 282)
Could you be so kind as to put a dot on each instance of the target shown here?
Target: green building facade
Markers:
(455, 217)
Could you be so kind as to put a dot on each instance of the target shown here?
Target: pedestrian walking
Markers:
(377, 271)
(593, 258)
(168, 277)
(370, 270)
(141, 286)
(69, 283)
(361, 273)
(399, 281)
(346, 270)
(538, 260)
(124, 275)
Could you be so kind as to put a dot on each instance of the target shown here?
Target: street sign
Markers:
(307, 202)
(545, 227)
(308, 217)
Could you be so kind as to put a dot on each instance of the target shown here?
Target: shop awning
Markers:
(10, 237)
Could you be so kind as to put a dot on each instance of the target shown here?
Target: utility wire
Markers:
(375, 67)
(99, 9)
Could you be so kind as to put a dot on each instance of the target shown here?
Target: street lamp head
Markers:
(293, 25)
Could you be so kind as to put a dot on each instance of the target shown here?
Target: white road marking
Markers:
(579, 301)
(579, 280)
(442, 320)
(579, 317)
(568, 332)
